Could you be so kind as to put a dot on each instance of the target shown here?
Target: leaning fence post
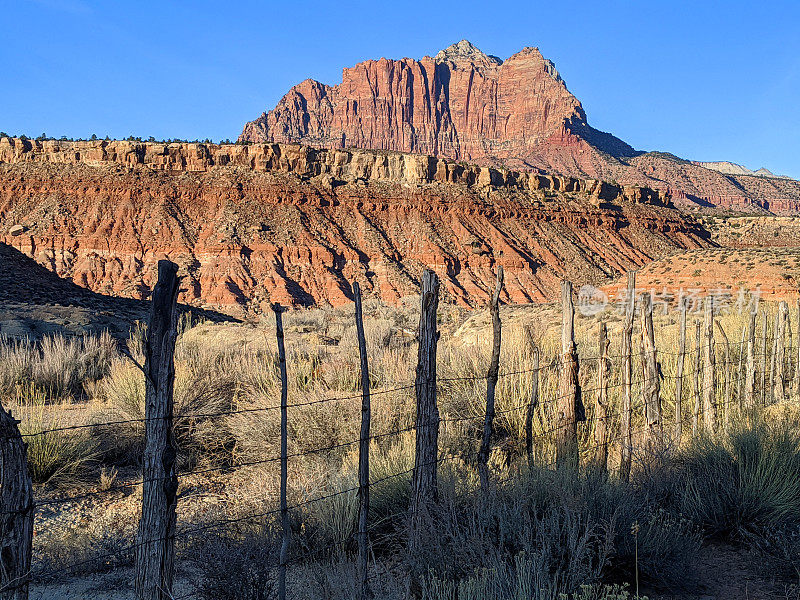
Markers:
(155, 547)
(779, 379)
(797, 351)
(284, 508)
(750, 369)
(741, 369)
(364, 591)
(534, 398)
(709, 370)
(697, 378)
(491, 384)
(651, 373)
(627, 377)
(601, 402)
(16, 503)
(570, 407)
(679, 373)
(425, 486)
(727, 373)
(764, 359)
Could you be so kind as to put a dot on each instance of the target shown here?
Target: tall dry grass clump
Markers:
(59, 366)
(56, 454)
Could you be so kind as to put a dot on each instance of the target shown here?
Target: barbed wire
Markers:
(264, 514)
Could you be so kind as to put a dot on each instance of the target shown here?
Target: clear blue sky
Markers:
(705, 80)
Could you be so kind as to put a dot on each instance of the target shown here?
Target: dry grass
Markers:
(222, 369)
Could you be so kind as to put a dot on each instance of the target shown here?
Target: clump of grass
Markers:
(54, 457)
(745, 480)
(59, 366)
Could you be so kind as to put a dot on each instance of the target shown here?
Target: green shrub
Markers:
(742, 481)
(55, 457)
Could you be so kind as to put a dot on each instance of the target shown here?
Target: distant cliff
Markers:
(465, 105)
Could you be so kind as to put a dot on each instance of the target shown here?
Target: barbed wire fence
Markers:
(571, 431)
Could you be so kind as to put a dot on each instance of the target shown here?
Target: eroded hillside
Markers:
(253, 224)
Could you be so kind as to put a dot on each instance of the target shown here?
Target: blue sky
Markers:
(704, 80)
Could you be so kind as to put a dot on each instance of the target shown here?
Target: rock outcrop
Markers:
(254, 224)
(465, 105)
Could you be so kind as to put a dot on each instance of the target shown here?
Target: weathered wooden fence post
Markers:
(750, 372)
(651, 375)
(679, 373)
(425, 486)
(697, 379)
(533, 349)
(764, 359)
(741, 370)
(601, 402)
(727, 375)
(570, 407)
(155, 547)
(709, 368)
(364, 591)
(626, 441)
(772, 366)
(797, 353)
(16, 504)
(284, 507)
(491, 383)
(779, 378)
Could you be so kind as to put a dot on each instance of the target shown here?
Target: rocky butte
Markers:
(260, 223)
(465, 105)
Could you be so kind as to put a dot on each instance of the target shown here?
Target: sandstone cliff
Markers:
(465, 105)
(262, 223)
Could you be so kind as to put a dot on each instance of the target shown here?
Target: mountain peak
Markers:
(466, 51)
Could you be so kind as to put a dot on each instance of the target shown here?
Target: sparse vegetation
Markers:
(541, 533)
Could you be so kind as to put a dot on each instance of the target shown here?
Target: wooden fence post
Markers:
(16, 503)
(534, 398)
(284, 507)
(727, 375)
(709, 367)
(797, 353)
(570, 407)
(626, 442)
(679, 373)
(779, 378)
(364, 591)
(155, 547)
(697, 379)
(750, 372)
(651, 375)
(425, 485)
(764, 359)
(772, 363)
(741, 370)
(601, 402)
(491, 384)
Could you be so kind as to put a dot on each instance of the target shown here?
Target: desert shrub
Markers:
(747, 479)
(206, 387)
(236, 565)
(557, 547)
(331, 524)
(521, 579)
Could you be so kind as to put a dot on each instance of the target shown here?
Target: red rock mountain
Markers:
(259, 223)
(465, 105)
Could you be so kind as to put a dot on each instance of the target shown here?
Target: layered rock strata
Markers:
(255, 224)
